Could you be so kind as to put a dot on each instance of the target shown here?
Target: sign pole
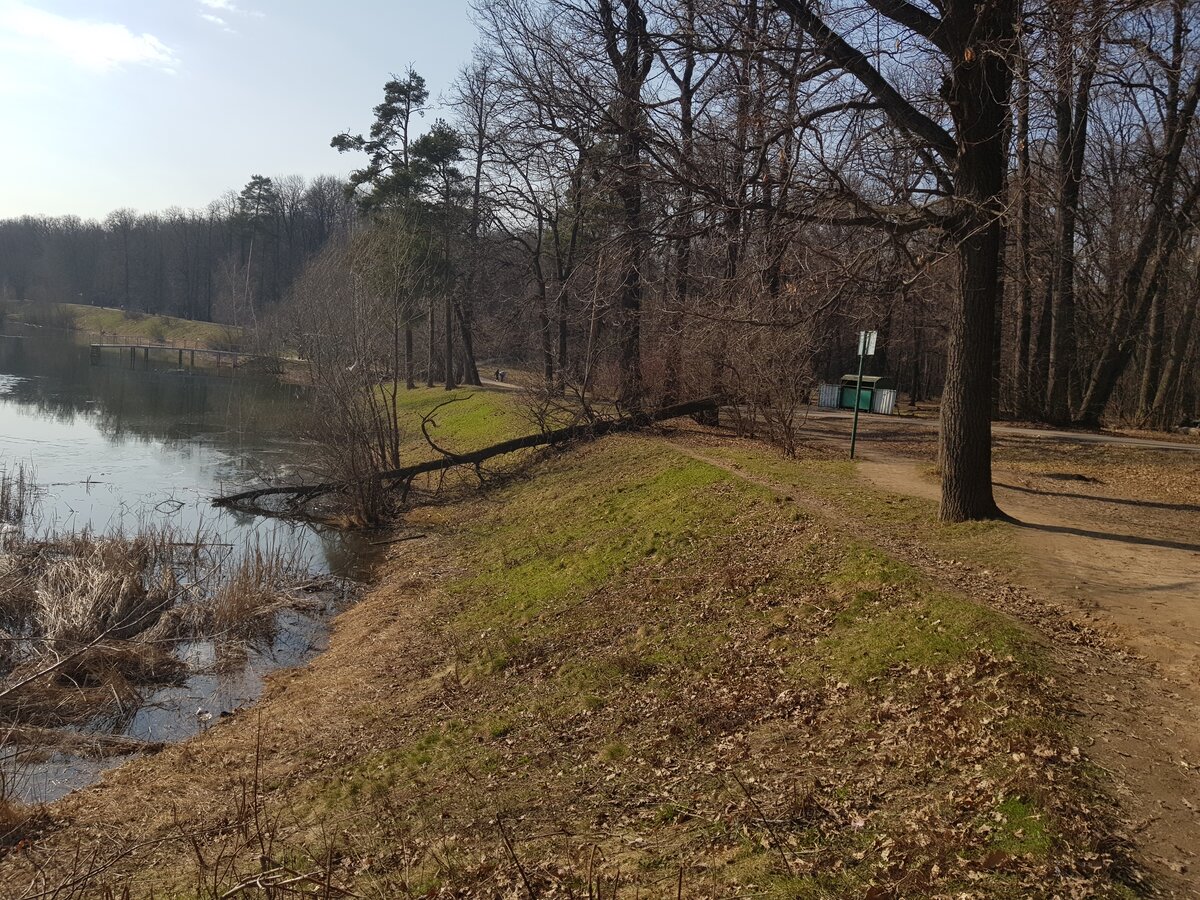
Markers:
(858, 392)
(866, 347)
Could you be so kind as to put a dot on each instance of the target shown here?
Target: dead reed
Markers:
(89, 624)
(18, 499)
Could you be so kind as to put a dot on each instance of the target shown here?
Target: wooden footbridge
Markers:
(231, 357)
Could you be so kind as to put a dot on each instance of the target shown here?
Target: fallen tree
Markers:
(296, 495)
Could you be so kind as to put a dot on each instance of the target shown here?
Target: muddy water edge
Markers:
(124, 445)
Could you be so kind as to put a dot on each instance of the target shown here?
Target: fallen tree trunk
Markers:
(299, 493)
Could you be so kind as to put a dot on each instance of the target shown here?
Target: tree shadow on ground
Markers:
(1135, 539)
(1149, 504)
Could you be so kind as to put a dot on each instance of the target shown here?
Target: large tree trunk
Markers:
(432, 343)
(1168, 397)
(966, 453)
(463, 315)
(977, 90)
(629, 52)
(410, 380)
(448, 336)
(544, 329)
(976, 42)
(1152, 370)
(683, 251)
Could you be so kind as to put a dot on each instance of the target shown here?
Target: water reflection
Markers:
(121, 447)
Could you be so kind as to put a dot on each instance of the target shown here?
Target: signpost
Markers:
(866, 347)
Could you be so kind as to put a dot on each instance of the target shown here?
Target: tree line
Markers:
(656, 199)
(651, 200)
(226, 262)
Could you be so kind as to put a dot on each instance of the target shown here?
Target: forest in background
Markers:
(657, 200)
(225, 263)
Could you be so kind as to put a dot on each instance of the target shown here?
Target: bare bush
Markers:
(350, 317)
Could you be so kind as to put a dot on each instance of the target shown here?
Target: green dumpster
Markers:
(864, 401)
(870, 384)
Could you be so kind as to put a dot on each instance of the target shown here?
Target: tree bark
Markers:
(448, 349)
(410, 381)
(629, 52)
(980, 40)
(432, 343)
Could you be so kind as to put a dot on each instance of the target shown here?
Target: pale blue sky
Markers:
(158, 103)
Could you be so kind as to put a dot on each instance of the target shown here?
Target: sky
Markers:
(151, 104)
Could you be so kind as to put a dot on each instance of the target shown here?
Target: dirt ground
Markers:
(1109, 531)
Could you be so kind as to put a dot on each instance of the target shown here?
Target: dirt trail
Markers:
(1114, 586)
(1135, 564)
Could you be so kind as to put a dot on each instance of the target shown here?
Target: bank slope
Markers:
(629, 672)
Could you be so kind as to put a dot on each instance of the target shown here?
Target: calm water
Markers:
(118, 448)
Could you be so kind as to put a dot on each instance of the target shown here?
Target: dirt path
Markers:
(834, 421)
(1135, 568)
(1133, 563)
(1114, 586)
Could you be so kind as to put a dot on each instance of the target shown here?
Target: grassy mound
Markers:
(632, 673)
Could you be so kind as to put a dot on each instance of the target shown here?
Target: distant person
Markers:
(503, 375)
(498, 374)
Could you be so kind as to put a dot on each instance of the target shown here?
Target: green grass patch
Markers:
(452, 747)
(865, 568)
(150, 328)
(1020, 829)
(839, 482)
(578, 526)
(614, 752)
(475, 419)
(928, 631)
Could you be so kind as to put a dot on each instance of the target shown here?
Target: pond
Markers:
(121, 447)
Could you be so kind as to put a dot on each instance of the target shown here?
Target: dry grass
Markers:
(99, 591)
(18, 498)
(91, 624)
(13, 821)
(243, 604)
